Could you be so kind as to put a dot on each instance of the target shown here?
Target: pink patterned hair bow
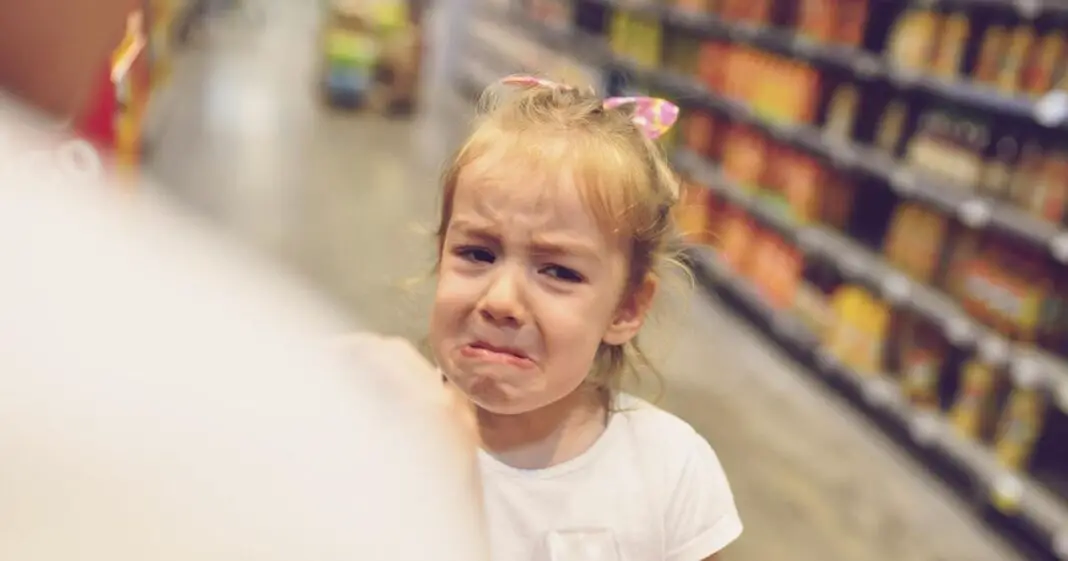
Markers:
(653, 116)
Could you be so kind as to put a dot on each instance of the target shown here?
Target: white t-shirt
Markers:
(649, 489)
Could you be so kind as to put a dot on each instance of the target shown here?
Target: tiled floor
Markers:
(348, 200)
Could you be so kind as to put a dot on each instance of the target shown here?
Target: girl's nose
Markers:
(502, 305)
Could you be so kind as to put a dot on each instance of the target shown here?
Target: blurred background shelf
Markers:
(934, 299)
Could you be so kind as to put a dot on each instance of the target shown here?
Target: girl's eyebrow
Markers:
(544, 245)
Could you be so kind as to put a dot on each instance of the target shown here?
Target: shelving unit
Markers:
(736, 212)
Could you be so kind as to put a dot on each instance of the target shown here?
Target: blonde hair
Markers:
(626, 181)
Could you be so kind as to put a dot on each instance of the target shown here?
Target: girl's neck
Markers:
(548, 436)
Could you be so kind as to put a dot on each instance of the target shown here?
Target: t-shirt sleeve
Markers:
(702, 518)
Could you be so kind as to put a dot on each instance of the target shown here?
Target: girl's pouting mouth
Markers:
(481, 351)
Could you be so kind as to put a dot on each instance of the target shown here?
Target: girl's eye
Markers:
(563, 273)
(476, 254)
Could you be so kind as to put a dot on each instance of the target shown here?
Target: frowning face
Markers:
(529, 286)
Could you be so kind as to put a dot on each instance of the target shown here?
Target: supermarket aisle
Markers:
(348, 201)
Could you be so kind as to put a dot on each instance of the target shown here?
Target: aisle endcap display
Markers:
(776, 228)
(371, 52)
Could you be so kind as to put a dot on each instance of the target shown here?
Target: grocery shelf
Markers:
(1049, 111)
(1012, 494)
(974, 210)
(1016, 496)
(1030, 368)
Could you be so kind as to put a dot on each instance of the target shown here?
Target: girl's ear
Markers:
(631, 313)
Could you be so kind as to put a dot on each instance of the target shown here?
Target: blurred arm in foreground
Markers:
(163, 396)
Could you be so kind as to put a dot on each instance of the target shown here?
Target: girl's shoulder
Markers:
(652, 428)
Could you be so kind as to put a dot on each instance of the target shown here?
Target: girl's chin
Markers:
(491, 392)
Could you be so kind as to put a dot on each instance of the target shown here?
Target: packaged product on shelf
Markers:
(801, 184)
(733, 237)
(1011, 67)
(619, 32)
(1001, 160)
(682, 53)
(1039, 185)
(812, 302)
(997, 283)
(793, 184)
(756, 12)
(774, 268)
(851, 21)
(744, 68)
(912, 41)
(712, 63)
(891, 129)
(648, 42)
(1028, 171)
(950, 144)
(697, 6)
(842, 112)
(783, 274)
(817, 19)
(872, 321)
(744, 156)
(701, 131)
(1046, 57)
(921, 354)
(858, 333)
(1052, 332)
(951, 44)
(162, 23)
(692, 212)
(915, 239)
(836, 199)
(350, 54)
(991, 51)
(974, 410)
(785, 91)
(1019, 427)
(371, 54)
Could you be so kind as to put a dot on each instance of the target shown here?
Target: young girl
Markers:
(555, 218)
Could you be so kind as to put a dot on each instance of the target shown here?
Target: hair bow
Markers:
(652, 115)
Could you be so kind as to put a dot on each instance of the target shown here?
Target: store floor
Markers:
(348, 201)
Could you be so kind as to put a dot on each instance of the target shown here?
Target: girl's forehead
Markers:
(486, 185)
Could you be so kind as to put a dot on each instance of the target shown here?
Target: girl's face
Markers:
(529, 286)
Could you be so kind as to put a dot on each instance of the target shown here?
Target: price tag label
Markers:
(924, 428)
(877, 391)
(903, 181)
(807, 240)
(1060, 545)
(865, 67)
(803, 46)
(993, 350)
(1060, 394)
(842, 155)
(904, 77)
(1026, 372)
(896, 288)
(1028, 9)
(1006, 492)
(1052, 109)
(1058, 247)
(974, 213)
(958, 330)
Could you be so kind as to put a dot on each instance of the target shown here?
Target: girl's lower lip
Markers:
(478, 353)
